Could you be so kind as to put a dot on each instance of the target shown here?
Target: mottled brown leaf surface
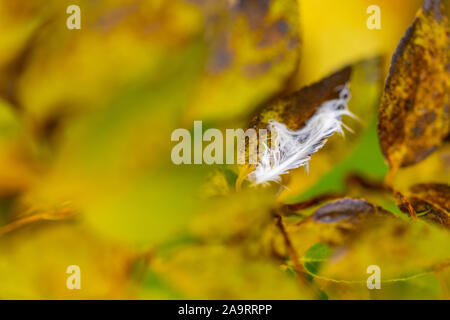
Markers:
(414, 113)
(436, 193)
(295, 109)
(432, 202)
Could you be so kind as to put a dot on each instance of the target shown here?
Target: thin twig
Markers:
(299, 269)
(313, 201)
(21, 222)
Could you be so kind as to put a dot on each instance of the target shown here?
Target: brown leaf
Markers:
(434, 192)
(433, 201)
(295, 109)
(414, 114)
(348, 209)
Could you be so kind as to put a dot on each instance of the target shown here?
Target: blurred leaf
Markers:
(219, 182)
(423, 287)
(154, 287)
(34, 261)
(434, 169)
(254, 48)
(17, 22)
(359, 235)
(16, 163)
(342, 35)
(402, 250)
(414, 115)
(224, 272)
(447, 6)
(236, 217)
(347, 211)
(115, 160)
(69, 72)
(334, 224)
(314, 257)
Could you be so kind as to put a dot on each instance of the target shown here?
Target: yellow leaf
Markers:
(414, 116)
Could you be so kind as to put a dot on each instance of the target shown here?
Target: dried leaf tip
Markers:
(292, 149)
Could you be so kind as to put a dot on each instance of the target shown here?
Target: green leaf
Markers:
(315, 256)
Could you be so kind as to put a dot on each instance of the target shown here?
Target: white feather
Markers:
(292, 149)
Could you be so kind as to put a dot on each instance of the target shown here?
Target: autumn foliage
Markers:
(86, 177)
